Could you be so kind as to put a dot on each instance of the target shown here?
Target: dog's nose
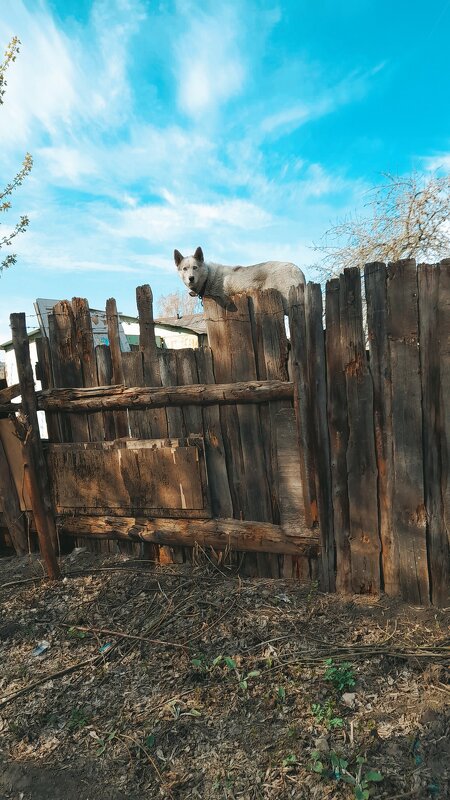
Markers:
(191, 279)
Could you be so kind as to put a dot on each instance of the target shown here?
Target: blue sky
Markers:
(245, 126)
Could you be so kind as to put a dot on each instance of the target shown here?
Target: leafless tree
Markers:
(178, 304)
(408, 217)
(5, 203)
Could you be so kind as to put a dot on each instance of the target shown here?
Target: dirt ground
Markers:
(188, 682)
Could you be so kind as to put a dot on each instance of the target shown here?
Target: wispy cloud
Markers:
(208, 54)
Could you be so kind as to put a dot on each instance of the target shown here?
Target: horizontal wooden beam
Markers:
(9, 393)
(115, 398)
(262, 537)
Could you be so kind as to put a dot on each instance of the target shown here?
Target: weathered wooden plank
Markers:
(434, 318)
(138, 477)
(68, 370)
(112, 319)
(133, 376)
(13, 517)
(302, 400)
(156, 417)
(315, 345)
(44, 373)
(221, 502)
(86, 353)
(34, 460)
(168, 370)
(221, 534)
(285, 476)
(409, 516)
(338, 433)
(221, 351)
(104, 373)
(380, 368)
(361, 458)
(187, 375)
(444, 405)
(8, 393)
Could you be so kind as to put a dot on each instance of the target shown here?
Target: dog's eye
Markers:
(194, 267)
(184, 269)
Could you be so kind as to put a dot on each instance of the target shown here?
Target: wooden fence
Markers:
(317, 457)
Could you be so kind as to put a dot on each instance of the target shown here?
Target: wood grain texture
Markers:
(157, 419)
(86, 354)
(35, 468)
(13, 517)
(221, 534)
(146, 475)
(338, 433)
(68, 372)
(361, 458)
(409, 514)
(375, 276)
(112, 320)
(434, 317)
(317, 378)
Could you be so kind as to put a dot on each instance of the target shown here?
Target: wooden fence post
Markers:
(112, 320)
(318, 383)
(434, 317)
(338, 432)
(375, 278)
(409, 513)
(35, 465)
(361, 459)
(9, 500)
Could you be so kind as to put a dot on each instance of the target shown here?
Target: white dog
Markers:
(206, 279)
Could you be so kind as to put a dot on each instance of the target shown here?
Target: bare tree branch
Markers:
(408, 217)
(6, 240)
(178, 304)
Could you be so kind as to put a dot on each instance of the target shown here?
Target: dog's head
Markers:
(192, 270)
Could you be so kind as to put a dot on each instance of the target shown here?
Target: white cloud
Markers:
(209, 64)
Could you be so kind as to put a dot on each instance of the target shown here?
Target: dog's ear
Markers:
(178, 257)
(198, 255)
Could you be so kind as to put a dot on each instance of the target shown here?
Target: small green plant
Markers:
(324, 713)
(103, 743)
(75, 633)
(79, 718)
(281, 695)
(341, 676)
(241, 677)
(290, 760)
(333, 767)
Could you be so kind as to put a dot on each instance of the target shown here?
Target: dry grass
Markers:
(150, 715)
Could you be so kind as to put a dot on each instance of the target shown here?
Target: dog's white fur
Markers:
(206, 279)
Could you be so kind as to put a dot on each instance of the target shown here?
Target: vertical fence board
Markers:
(317, 378)
(168, 372)
(338, 433)
(187, 375)
(361, 458)
(9, 501)
(444, 405)
(86, 354)
(375, 276)
(104, 373)
(112, 320)
(302, 400)
(156, 417)
(133, 376)
(35, 467)
(409, 516)
(221, 351)
(221, 503)
(434, 329)
(285, 478)
(69, 365)
(47, 382)
(238, 363)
